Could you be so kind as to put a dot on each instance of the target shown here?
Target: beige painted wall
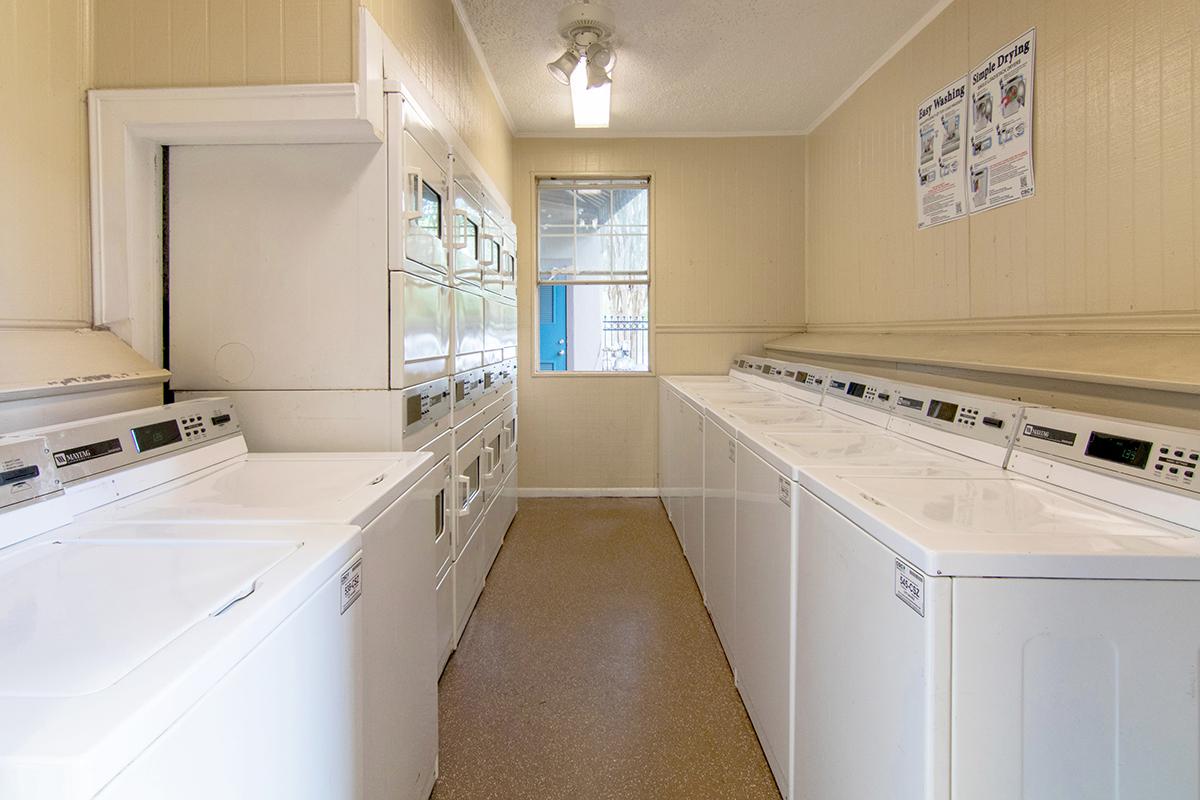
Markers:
(728, 267)
(52, 51)
(433, 41)
(232, 42)
(1112, 230)
(45, 68)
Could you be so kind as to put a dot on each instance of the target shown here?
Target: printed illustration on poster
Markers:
(941, 156)
(1000, 145)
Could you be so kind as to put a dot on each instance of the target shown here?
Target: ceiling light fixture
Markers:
(590, 104)
(562, 67)
(586, 65)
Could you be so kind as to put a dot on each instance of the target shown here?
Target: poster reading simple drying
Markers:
(941, 156)
(1000, 146)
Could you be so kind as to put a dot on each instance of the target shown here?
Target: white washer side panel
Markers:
(1076, 688)
(872, 674)
(400, 646)
(719, 546)
(278, 267)
(309, 750)
(764, 621)
(691, 438)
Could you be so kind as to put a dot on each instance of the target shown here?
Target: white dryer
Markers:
(1036, 636)
(170, 660)
(187, 463)
(771, 539)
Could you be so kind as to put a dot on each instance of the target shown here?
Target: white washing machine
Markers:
(1025, 633)
(804, 383)
(170, 660)
(771, 538)
(187, 463)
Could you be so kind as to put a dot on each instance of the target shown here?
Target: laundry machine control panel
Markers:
(90, 447)
(1162, 455)
(863, 390)
(425, 403)
(27, 471)
(987, 419)
(803, 376)
(468, 387)
(753, 365)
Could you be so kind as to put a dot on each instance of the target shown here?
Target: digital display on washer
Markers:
(801, 377)
(856, 389)
(940, 409)
(1118, 449)
(765, 368)
(160, 434)
(909, 402)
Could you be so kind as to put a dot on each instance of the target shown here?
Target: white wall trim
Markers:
(469, 29)
(127, 129)
(910, 34)
(719, 328)
(615, 492)
(607, 133)
(1183, 322)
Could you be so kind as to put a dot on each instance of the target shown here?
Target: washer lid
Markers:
(343, 488)
(80, 615)
(1008, 526)
(793, 452)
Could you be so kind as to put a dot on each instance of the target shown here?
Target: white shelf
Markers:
(1157, 361)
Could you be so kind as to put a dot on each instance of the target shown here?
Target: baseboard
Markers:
(613, 492)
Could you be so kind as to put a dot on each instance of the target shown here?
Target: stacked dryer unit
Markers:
(356, 297)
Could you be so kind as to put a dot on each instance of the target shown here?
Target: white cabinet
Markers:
(765, 578)
(720, 586)
(278, 277)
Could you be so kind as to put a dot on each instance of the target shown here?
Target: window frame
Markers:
(534, 272)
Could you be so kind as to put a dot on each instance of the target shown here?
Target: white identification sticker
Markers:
(785, 492)
(910, 587)
(351, 581)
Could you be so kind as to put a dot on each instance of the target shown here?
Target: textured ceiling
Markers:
(696, 66)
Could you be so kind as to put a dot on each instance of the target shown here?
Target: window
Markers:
(593, 275)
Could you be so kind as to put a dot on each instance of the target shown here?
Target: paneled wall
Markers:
(431, 37)
(222, 42)
(45, 68)
(1109, 238)
(231, 42)
(727, 272)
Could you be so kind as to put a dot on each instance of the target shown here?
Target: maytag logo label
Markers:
(1050, 434)
(78, 455)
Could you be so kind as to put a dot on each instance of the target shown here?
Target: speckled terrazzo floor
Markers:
(591, 670)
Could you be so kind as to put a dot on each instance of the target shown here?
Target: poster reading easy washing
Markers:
(941, 156)
(1000, 146)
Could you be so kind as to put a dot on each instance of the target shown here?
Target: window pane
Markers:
(593, 254)
(630, 254)
(605, 328)
(631, 207)
(557, 254)
(557, 207)
(607, 222)
(592, 209)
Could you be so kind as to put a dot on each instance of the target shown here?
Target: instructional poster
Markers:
(1000, 147)
(941, 156)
